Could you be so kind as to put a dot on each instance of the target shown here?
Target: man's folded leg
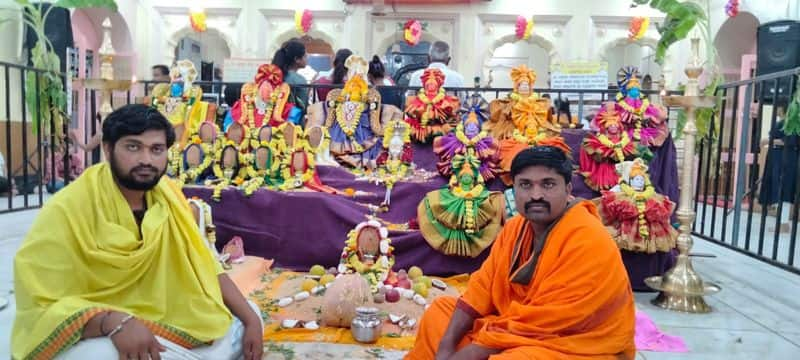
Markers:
(432, 327)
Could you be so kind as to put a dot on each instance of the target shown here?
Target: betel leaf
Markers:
(75, 4)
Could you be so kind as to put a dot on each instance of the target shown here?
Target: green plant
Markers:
(681, 18)
(50, 112)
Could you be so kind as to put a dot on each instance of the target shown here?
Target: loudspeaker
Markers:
(57, 28)
(778, 45)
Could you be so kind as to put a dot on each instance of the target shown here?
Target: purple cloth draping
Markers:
(301, 229)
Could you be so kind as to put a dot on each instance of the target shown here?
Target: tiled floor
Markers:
(756, 316)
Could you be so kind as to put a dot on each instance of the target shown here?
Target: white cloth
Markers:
(227, 348)
(2, 166)
(452, 79)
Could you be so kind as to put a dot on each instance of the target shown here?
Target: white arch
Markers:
(646, 41)
(549, 47)
(172, 41)
(289, 34)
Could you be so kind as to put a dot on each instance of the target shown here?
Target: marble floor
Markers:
(756, 316)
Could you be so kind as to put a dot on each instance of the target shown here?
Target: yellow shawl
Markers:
(84, 254)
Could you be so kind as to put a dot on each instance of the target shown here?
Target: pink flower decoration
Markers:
(306, 20)
(522, 23)
(732, 8)
(412, 32)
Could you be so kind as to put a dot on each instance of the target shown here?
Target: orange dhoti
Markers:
(563, 294)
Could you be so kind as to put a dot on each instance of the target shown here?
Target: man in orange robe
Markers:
(553, 287)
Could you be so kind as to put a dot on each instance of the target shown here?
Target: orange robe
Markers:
(568, 297)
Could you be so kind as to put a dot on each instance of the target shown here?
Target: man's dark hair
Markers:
(135, 119)
(163, 69)
(547, 156)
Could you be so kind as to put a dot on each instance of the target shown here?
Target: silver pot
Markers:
(366, 326)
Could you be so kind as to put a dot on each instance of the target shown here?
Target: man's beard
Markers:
(129, 180)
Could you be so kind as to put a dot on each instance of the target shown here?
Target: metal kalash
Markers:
(681, 288)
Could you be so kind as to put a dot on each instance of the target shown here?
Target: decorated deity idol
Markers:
(522, 111)
(464, 218)
(432, 112)
(229, 169)
(237, 134)
(637, 217)
(354, 121)
(320, 141)
(298, 170)
(601, 152)
(263, 168)
(272, 102)
(644, 122)
(181, 102)
(244, 110)
(192, 165)
(368, 251)
(468, 137)
(396, 161)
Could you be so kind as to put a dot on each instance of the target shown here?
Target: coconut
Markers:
(343, 297)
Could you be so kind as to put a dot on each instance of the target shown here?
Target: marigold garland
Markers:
(638, 28)
(303, 19)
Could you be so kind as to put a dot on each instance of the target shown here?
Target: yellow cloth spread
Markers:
(84, 254)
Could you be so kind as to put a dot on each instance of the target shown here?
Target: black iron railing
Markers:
(748, 172)
(22, 183)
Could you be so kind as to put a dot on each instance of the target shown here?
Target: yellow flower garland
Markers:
(257, 176)
(640, 198)
(225, 181)
(374, 272)
(392, 172)
(618, 147)
(461, 136)
(638, 111)
(471, 194)
(193, 173)
(429, 104)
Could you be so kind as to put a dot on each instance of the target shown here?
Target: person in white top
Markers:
(439, 57)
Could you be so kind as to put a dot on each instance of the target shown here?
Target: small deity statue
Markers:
(432, 112)
(468, 137)
(600, 152)
(354, 121)
(396, 161)
(229, 168)
(237, 134)
(522, 110)
(644, 122)
(192, 164)
(272, 102)
(368, 251)
(244, 110)
(637, 217)
(181, 102)
(320, 141)
(298, 170)
(263, 169)
(464, 218)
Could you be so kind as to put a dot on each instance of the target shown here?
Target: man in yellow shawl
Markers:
(553, 287)
(114, 266)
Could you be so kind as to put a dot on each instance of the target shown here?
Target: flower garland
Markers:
(732, 8)
(618, 147)
(303, 21)
(295, 181)
(627, 107)
(226, 180)
(523, 28)
(350, 129)
(193, 173)
(461, 136)
(392, 172)
(429, 104)
(640, 198)
(515, 96)
(174, 156)
(531, 138)
(197, 20)
(388, 132)
(469, 205)
(376, 273)
(638, 28)
(412, 32)
(258, 176)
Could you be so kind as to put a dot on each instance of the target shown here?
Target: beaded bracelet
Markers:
(119, 327)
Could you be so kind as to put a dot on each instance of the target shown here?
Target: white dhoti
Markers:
(228, 347)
